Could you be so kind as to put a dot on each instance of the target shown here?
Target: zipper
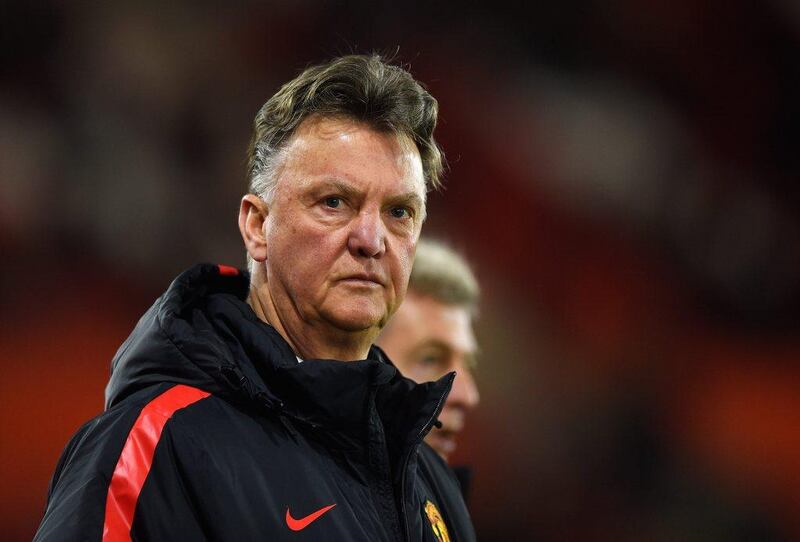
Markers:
(379, 472)
(407, 458)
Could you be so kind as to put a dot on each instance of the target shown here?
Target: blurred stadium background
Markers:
(624, 176)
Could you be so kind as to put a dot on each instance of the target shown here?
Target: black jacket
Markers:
(214, 431)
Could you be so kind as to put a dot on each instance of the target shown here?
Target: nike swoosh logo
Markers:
(302, 523)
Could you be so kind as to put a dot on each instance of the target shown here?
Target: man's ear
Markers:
(253, 212)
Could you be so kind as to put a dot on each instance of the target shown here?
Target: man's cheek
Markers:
(421, 373)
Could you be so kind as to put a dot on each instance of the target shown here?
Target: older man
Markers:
(252, 407)
(431, 334)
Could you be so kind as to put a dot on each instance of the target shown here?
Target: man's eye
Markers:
(400, 212)
(430, 360)
(332, 202)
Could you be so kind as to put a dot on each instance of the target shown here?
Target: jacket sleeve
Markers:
(77, 496)
(117, 480)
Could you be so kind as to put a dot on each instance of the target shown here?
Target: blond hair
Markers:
(443, 274)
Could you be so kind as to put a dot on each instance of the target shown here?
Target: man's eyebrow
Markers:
(433, 343)
(409, 198)
(471, 359)
(339, 187)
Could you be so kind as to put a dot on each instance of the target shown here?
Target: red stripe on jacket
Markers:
(137, 457)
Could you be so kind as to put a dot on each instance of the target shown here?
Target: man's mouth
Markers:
(443, 441)
(366, 279)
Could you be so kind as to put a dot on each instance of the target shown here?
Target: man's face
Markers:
(427, 339)
(343, 225)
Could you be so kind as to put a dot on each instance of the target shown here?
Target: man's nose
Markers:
(464, 392)
(368, 235)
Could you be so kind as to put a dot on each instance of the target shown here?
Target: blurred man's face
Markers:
(427, 339)
(343, 225)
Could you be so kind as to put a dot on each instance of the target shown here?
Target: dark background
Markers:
(623, 175)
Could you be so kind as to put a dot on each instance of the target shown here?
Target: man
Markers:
(254, 407)
(431, 334)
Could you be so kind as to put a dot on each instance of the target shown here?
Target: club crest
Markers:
(437, 523)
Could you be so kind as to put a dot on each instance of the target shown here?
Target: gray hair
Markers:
(362, 87)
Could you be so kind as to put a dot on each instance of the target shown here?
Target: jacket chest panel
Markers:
(268, 480)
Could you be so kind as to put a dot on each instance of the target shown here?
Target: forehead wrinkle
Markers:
(407, 160)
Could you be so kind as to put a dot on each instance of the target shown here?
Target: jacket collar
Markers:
(202, 332)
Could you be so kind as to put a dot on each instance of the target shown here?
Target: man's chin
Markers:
(356, 321)
(354, 315)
